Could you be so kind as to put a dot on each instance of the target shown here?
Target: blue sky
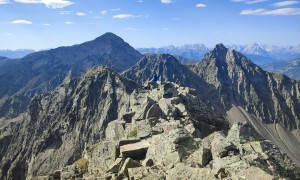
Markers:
(42, 24)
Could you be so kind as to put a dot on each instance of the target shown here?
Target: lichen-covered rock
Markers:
(101, 156)
(171, 147)
(200, 158)
(182, 171)
(129, 163)
(115, 130)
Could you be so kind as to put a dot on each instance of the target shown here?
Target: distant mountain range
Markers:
(290, 68)
(260, 54)
(15, 54)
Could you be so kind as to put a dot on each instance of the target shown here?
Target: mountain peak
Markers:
(220, 47)
(108, 36)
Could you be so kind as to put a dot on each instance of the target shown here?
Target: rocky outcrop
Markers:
(270, 102)
(60, 124)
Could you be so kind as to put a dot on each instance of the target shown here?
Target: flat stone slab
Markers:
(136, 151)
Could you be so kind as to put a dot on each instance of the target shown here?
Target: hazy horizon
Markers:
(38, 25)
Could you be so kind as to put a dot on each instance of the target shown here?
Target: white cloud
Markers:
(65, 12)
(21, 22)
(166, 29)
(46, 24)
(276, 12)
(200, 5)
(80, 14)
(125, 16)
(252, 12)
(4, 1)
(166, 1)
(49, 3)
(69, 22)
(115, 9)
(103, 12)
(9, 34)
(249, 1)
(56, 3)
(285, 3)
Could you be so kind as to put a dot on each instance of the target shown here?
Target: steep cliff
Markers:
(270, 101)
(58, 125)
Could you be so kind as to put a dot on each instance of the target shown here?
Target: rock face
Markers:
(45, 70)
(60, 124)
(271, 102)
(168, 69)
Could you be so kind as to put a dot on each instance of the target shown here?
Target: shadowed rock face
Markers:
(43, 71)
(270, 99)
(167, 67)
(60, 124)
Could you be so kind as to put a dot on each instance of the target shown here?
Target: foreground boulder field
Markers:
(158, 139)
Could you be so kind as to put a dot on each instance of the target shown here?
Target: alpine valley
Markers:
(80, 112)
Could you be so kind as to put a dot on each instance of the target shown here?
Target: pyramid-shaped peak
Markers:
(220, 47)
(109, 36)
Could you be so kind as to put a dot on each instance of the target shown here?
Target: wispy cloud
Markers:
(65, 12)
(115, 9)
(126, 16)
(140, 1)
(200, 5)
(103, 12)
(80, 14)
(9, 34)
(48, 3)
(285, 3)
(249, 1)
(97, 17)
(69, 22)
(166, 1)
(4, 1)
(165, 29)
(46, 24)
(21, 22)
(276, 12)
